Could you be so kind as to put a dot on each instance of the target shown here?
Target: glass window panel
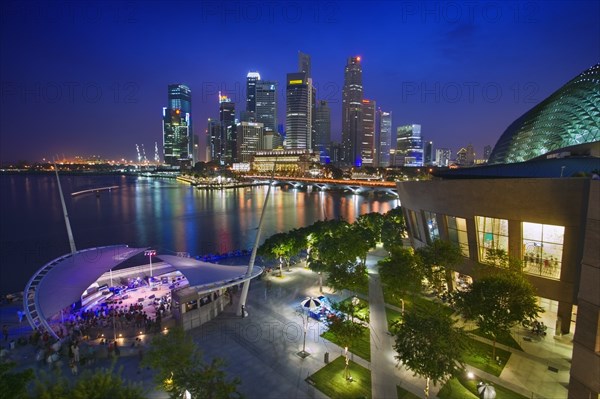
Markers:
(461, 224)
(432, 226)
(543, 249)
(457, 233)
(492, 234)
(532, 231)
(555, 234)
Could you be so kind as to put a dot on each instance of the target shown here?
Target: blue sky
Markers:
(83, 78)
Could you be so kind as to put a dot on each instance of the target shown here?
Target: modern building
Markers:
(178, 139)
(298, 118)
(538, 212)
(228, 137)
(352, 96)
(304, 64)
(428, 158)
(409, 146)
(442, 157)
(568, 117)
(251, 80)
(383, 129)
(266, 105)
(487, 151)
(249, 139)
(322, 127)
(367, 138)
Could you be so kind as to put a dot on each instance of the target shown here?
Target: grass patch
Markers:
(413, 302)
(331, 381)
(404, 394)
(464, 388)
(391, 315)
(362, 314)
(504, 339)
(362, 346)
(480, 356)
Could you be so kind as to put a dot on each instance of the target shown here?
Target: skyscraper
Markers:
(251, 80)
(298, 118)
(367, 138)
(214, 146)
(442, 157)
(178, 143)
(409, 146)
(322, 128)
(227, 121)
(428, 153)
(352, 96)
(383, 127)
(266, 105)
(304, 63)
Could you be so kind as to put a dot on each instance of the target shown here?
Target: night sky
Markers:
(84, 78)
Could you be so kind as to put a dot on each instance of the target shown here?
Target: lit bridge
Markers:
(355, 186)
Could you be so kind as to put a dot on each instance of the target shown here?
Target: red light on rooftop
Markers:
(358, 58)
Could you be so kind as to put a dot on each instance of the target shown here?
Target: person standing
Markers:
(75, 349)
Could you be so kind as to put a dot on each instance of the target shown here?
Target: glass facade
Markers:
(433, 231)
(570, 116)
(416, 232)
(457, 233)
(542, 249)
(492, 234)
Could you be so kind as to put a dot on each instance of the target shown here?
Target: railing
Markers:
(93, 190)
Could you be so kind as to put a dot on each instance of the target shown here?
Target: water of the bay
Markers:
(148, 212)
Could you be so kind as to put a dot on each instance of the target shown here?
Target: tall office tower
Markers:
(249, 137)
(442, 157)
(247, 116)
(178, 141)
(227, 120)
(383, 127)
(352, 96)
(251, 80)
(298, 117)
(367, 139)
(487, 151)
(266, 105)
(322, 128)
(428, 153)
(214, 146)
(304, 64)
(409, 146)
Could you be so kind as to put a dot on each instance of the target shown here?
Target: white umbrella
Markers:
(486, 391)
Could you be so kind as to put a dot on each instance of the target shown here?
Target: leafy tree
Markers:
(438, 261)
(373, 223)
(498, 302)
(400, 273)
(348, 275)
(14, 384)
(99, 383)
(393, 228)
(351, 308)
(347, 331)
(428, 344)
(499, 258)
(280, 246)
(179, 367)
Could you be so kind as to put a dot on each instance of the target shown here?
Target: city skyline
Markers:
(90, 79)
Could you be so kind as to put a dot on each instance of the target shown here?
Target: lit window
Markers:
(432, 227)
(492, 237)
(542, 249)
(457, 233)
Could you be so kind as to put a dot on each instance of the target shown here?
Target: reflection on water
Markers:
(158, 213)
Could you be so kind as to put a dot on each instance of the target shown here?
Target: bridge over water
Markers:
(355, 186)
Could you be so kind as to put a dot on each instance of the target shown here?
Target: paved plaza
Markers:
(261, 349)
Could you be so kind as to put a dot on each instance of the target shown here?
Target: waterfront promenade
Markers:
(261, 348)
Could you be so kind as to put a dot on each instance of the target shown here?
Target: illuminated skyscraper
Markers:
(383, 129)
(214, 147)
(266, 105)
(304, 63)
(428, 153)
(178, 143)
(251, 80)
(227, 121)
(367, 137)
(249, 138)
(352, 96)
(298, 117)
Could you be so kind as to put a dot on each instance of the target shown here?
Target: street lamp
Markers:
(150, 253)
(307, 305)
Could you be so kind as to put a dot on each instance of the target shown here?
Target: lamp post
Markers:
(307, 305)
(150, 253)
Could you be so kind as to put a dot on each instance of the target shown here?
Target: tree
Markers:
(400, 273)
(497, 302)
(91, 384)
(179, 367)
(347, 332)
(439, 260)
(393, 228)
(428, 344)
(280, 246)
(14, 384)
(372, 223)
